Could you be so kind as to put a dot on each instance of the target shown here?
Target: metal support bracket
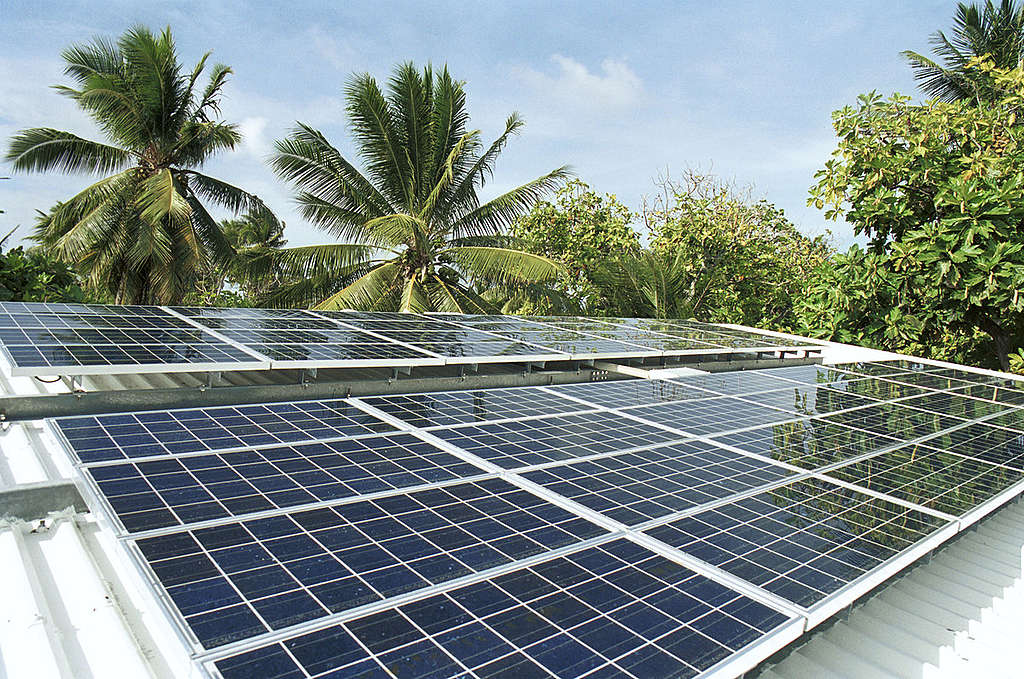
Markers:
(307, 375)
(212, 378)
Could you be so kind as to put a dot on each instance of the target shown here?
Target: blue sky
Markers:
(620, 91)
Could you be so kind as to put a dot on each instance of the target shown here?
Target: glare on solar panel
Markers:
(802, 541)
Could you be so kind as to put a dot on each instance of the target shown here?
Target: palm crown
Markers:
(989, 31)
(415, 235)
(142, 233)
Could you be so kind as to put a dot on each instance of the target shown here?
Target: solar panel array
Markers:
(641, 528)
(78, 339)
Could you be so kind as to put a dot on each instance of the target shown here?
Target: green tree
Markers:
(939, 191)
(580, 229)
(34, 276)
(978, 31)
(253, 271)
(415, 234)
(730, 258)
(142, 233)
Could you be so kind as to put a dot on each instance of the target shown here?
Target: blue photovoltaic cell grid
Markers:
(522, 443)
(245, 578)
(173, 491)
(167, 432)
(616, 610)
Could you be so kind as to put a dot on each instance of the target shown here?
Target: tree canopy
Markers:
(939, 191)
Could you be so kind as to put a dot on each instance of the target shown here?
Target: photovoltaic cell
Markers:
(612, 610)
(646, 484)
(167, 432)
(245, 578)
(482, 405)
(182, 490)
(802, 541)
(522, 443)
(931, 478)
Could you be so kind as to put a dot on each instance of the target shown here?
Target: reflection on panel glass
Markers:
(802, 541)
(1009, 392)
(617, 610)
(955, 405)
(647, 484)
(895, 420)
(483, 405)
(983, 442)
(807, 443)
(809, 400)
(931, 478)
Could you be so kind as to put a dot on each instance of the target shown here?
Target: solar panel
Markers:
(523, 443)
(57, 339)
(460, 407)
(294, 339)
(710, 416)
(624, 393)
(610, 610)
(624, 528)
(182, 490)
(802, 541)
(42, 338)
(932, 478)
(155, 434)
(646, 484)
(244, 578)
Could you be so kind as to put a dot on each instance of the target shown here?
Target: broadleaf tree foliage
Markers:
(142, 233)
(938, 189)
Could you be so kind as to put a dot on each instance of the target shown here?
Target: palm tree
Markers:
(252, 238)
(415, 234)
(141, 234)
(994, 32)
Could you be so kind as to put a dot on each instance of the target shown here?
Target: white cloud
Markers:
(614, 88)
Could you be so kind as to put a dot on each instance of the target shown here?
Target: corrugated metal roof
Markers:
(959, 614)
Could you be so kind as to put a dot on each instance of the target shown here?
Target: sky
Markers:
(622, 92)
